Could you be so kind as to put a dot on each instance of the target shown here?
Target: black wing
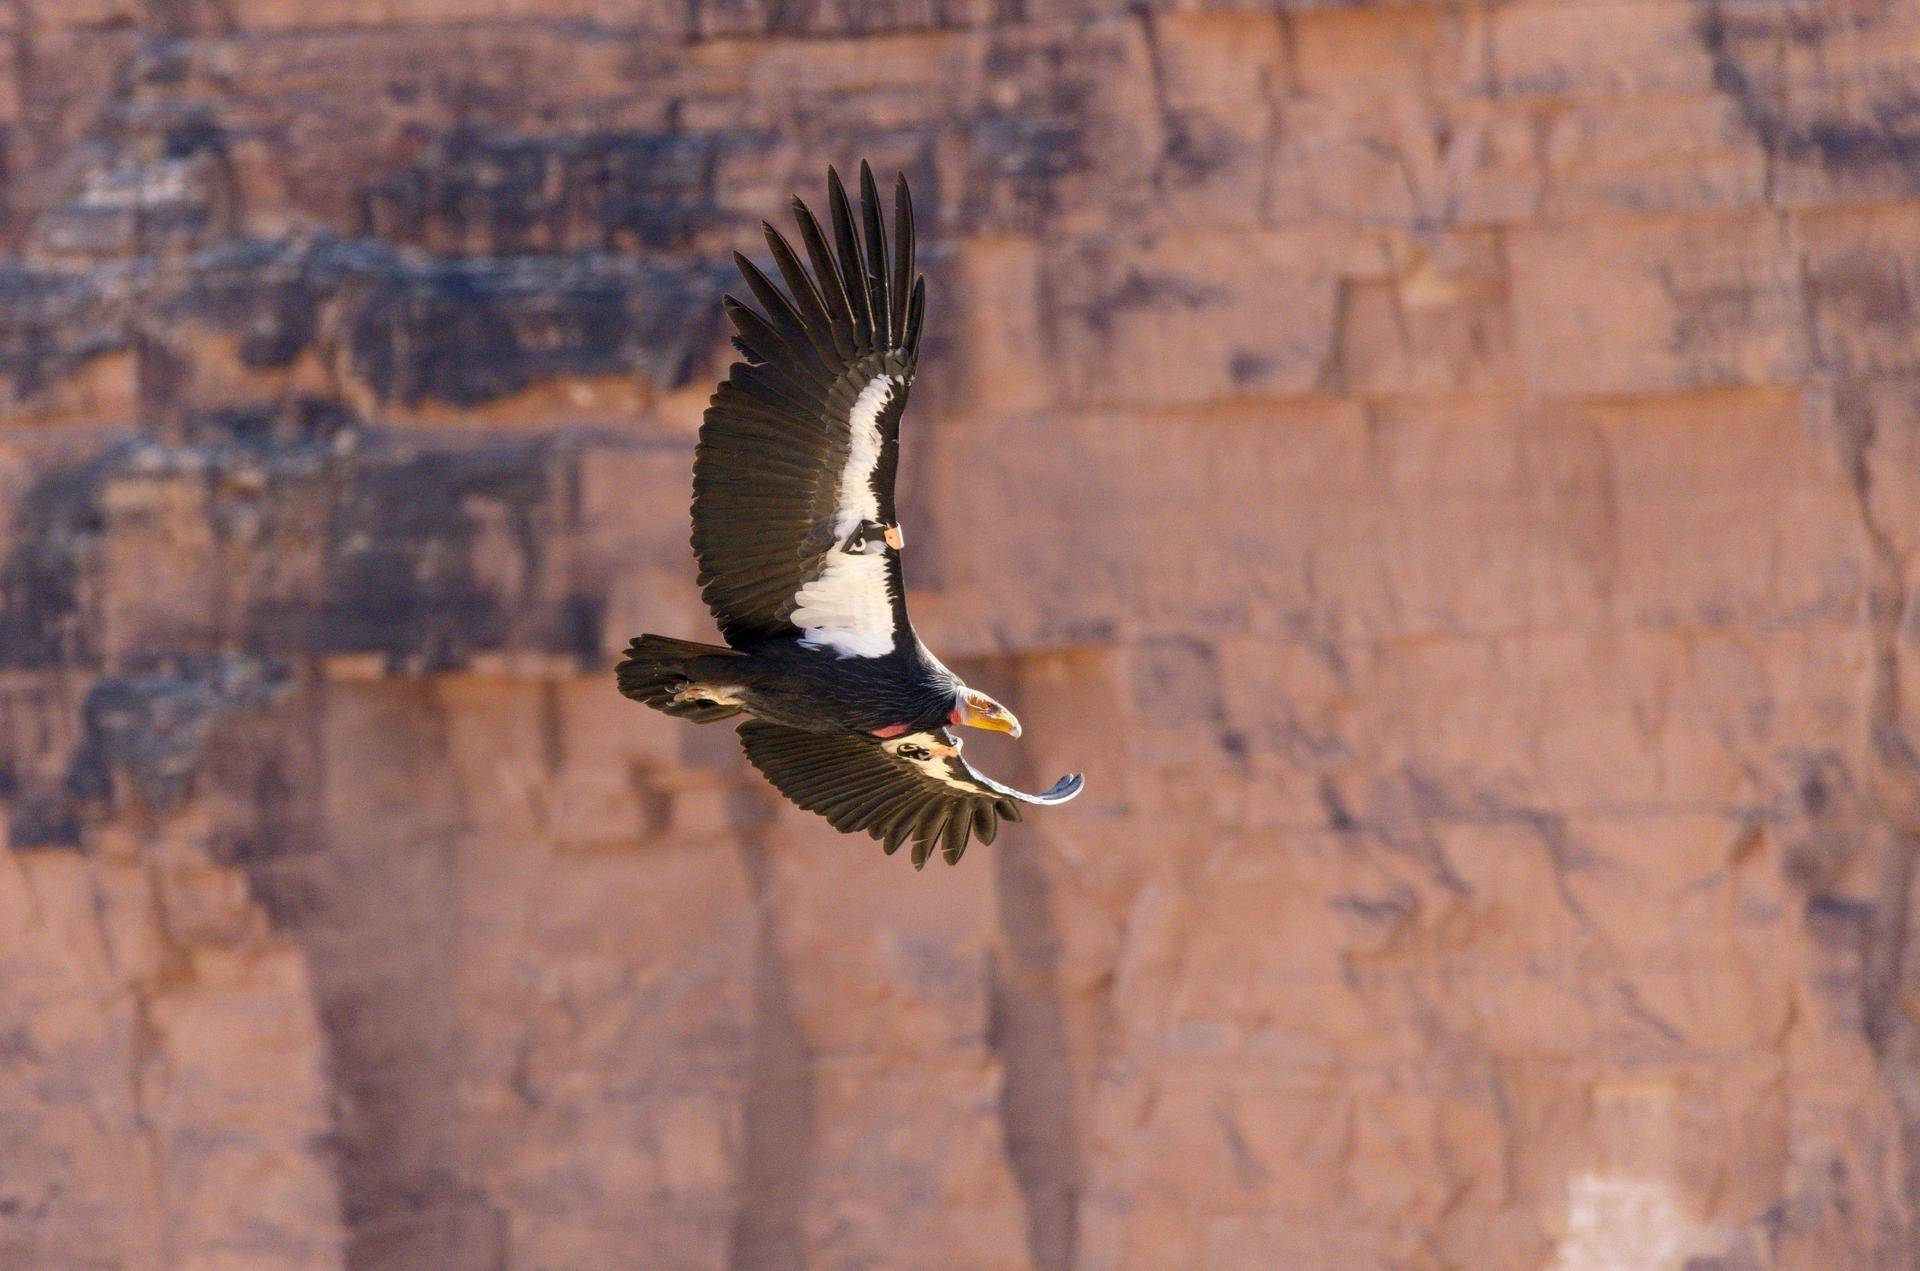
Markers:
(793, 479)
(895, 790)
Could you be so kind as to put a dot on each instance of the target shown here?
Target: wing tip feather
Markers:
(1068, 787)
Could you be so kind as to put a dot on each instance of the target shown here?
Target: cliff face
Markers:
(1450, 473)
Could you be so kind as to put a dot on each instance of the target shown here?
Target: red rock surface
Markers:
(1449, 472)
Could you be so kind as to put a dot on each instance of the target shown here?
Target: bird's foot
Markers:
(706, 695)
(919, 746)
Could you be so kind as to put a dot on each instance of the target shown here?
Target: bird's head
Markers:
(976, 710)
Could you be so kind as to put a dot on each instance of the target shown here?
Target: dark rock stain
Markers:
(53, 532)
(147, 734)
(409, 331)
(502, 192)
(1248, 366)
(51, 326)
(1743, 43)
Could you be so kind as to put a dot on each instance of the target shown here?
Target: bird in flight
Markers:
(848, 713)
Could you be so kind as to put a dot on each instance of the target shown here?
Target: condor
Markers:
(800, 547)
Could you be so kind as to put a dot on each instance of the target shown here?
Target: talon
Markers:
(709, 695)
(919, 751)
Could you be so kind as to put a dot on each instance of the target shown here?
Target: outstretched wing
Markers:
(895, 790)
(793, 479)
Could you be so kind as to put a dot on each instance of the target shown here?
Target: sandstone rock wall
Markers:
(1450, 472)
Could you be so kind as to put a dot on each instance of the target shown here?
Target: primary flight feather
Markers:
(799, 549)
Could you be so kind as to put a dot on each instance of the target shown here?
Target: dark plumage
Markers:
(799, 549)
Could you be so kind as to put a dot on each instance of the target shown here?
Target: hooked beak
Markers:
(998, 719)
(895, 539)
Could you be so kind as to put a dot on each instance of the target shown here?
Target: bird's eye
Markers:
(912, 752)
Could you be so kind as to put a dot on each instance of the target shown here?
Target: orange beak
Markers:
(997, 718)
(895, 539)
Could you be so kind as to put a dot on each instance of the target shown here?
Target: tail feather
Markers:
(657, 667)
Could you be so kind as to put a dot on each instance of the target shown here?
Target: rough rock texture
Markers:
(1450, 472)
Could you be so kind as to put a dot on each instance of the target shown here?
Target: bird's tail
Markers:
(666, 674)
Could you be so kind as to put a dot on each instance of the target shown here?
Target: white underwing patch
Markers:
(848, 607)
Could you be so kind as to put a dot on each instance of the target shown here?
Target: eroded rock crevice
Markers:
(776, 1154)
(1041, 1090)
